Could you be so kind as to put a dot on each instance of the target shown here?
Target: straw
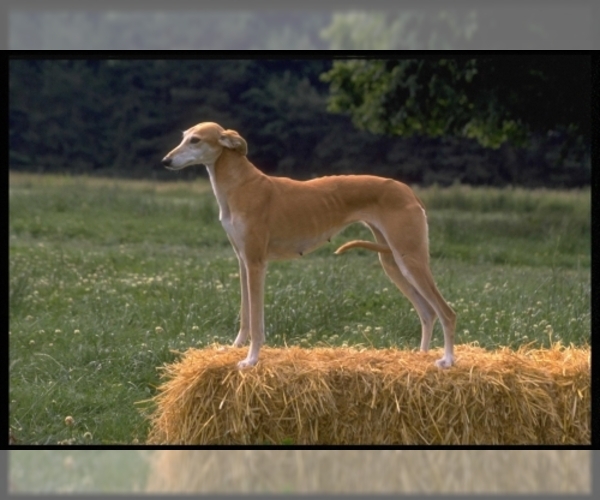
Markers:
(336, 396)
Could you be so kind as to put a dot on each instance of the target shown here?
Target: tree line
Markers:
(302, 118)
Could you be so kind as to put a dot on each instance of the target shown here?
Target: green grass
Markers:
(108, 277)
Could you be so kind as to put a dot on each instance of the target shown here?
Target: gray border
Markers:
(314, 5)
(272, 4)
(594, 463)
(50, 5)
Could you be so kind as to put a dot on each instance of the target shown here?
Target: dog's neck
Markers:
(229, 172)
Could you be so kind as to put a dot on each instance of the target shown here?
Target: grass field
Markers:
(108, 277)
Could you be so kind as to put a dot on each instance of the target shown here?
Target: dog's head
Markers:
(202, 145)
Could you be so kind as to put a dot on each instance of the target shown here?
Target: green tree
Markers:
(493, 100)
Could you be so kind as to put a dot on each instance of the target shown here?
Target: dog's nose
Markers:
(166, 161)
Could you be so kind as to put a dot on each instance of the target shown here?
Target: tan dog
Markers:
(269, 218)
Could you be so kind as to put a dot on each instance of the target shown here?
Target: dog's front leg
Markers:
(255, 277)
(242, 336)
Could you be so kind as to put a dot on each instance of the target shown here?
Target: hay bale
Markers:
(342, 396)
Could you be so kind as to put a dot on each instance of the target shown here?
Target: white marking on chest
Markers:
(234, 227)
(224, 213)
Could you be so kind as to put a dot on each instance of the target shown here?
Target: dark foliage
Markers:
(119, 117)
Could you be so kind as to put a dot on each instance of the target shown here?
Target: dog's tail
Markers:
(369, 245)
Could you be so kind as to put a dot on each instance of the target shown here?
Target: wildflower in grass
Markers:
(87, 435)
(28, 317)
(195, 328)
(159, 329)
(32, 342)
(69, 421)
(76, 331)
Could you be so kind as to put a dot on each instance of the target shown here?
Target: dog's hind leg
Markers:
(405, 232)
(417, 272)
(412, 257)
(426, 313)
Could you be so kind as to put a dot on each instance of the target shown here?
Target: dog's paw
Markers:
(444, 362)
(246, 363)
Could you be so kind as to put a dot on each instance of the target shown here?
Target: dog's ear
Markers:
(232, 140)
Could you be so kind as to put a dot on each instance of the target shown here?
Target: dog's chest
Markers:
(220, 196)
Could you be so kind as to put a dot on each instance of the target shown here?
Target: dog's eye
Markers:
(194, 140)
